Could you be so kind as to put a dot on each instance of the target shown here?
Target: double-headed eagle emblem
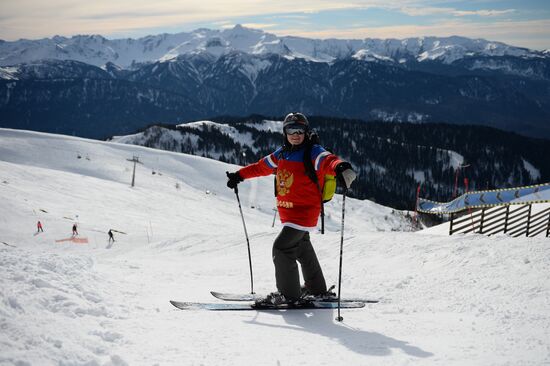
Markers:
(284, 182)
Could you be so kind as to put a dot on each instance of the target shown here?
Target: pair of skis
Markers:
(308, 303)
(331, 303)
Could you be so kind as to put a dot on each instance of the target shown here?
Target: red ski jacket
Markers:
(298, 198)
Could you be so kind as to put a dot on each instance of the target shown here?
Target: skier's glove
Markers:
(345, 174)
(233, 179)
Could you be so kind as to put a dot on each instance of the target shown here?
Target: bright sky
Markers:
(523, 23)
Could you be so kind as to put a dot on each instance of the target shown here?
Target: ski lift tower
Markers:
(135, 160)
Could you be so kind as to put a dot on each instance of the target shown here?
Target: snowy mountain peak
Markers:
(97, 50)
(240, 31)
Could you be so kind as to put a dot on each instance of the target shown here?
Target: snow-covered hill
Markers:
(454, 300)
(97, 50)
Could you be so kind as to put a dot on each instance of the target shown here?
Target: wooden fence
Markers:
(510, 219)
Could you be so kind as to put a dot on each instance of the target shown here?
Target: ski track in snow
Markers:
(460, 300)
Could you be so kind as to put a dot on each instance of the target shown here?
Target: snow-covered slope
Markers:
(165, 138)
(97, 50)
(454, 300)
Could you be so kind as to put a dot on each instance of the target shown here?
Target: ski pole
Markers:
(274, 217)
(339, 317)
(247, 242)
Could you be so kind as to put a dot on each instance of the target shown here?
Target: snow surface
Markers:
(461, 300)
(533, 172)
(267, 125)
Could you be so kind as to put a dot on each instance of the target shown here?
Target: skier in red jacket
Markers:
(299, 206)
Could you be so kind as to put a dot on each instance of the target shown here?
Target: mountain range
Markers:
(97, 50)
(95, 87)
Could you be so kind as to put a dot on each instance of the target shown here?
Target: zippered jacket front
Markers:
(298, 197)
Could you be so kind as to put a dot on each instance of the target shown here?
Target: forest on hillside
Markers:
(391, 159)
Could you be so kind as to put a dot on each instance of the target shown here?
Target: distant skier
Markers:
(299, 206)
(111, 237)
(75, 231)
(39, 227)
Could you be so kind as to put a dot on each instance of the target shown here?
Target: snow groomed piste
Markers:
(452, 300)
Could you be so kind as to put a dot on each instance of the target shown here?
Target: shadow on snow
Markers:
(363, 342)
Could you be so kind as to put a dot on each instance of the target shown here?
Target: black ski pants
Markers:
(293, 245)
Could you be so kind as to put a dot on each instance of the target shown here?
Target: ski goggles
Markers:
(296, 130)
